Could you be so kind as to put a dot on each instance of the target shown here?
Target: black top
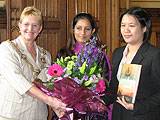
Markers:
(147, 102)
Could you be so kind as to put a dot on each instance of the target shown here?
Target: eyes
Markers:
(85, 29)
(130, 25)
(34, 26)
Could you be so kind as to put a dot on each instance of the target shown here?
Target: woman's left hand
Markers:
(128, 106)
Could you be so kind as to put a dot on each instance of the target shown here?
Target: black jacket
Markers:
(147, 102)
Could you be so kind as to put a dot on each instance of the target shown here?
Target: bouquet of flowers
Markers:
(77, 80)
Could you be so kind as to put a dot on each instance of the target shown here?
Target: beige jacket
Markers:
(16, 79)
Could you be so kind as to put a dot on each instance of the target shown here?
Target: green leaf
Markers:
(70, 65)
(58, 61)
(69, 72)
(67, 58)
(61, 60)
(92, 70)
(87, 83)
(82, 68)
(50, 85)
(74, 57)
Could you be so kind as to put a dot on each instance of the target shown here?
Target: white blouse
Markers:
(124, 60)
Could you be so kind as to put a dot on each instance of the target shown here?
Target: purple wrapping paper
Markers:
(75, 96)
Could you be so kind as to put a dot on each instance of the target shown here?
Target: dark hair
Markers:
(144, 19)
(78, 17)
(87, 16)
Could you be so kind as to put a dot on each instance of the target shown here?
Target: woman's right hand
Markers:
(58, 106)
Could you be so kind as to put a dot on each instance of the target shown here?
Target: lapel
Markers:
(118, 56)
(24, 51)
(140, 53)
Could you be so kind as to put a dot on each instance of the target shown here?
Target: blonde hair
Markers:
(31, 10)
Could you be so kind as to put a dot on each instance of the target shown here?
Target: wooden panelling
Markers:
(3, 24)
(102, 11)
(115, 24)
(145, 4)
(140, 3)
(53, 36)
(153, 7)
(58, 15)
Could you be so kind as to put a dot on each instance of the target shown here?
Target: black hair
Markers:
(144, 19)
(93, 23)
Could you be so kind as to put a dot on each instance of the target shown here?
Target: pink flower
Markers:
(100, 86)
(55, 70)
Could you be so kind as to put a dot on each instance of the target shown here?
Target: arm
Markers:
(113, 83)
(150, 85)
(18, 76)
(55, 103)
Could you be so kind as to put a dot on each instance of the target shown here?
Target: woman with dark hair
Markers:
(135, 27)
(91, 30)
(84, 28)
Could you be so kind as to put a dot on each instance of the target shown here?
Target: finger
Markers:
(60, 113)
(120, 101)
(128, 106)
(123, 100)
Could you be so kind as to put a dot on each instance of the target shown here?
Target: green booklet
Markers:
(128, 82)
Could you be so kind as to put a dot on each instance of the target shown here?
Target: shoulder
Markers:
(118, 51)
(151, 50)
(5, 47)
(4, 44)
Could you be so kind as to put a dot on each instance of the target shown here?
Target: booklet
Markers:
(129, 80)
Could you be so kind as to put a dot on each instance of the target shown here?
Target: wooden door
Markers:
(53, 36)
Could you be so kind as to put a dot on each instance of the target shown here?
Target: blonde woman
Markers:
(23, 61)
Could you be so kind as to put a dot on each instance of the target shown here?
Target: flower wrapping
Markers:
(75, 96)
(79, 79)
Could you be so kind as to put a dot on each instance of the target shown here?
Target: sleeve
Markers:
(111, 95)
(153, 101)
(11, 71)
(106, 67)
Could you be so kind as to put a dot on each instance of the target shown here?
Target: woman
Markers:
(135, 27)
(84, 28)
(23, 62)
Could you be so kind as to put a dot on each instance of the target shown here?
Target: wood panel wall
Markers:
(153, 8)
(53, 36)
(58, 15)
(106, 13)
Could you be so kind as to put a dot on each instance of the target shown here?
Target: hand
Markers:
(58, 106)
(128, 106)
(59, 112)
